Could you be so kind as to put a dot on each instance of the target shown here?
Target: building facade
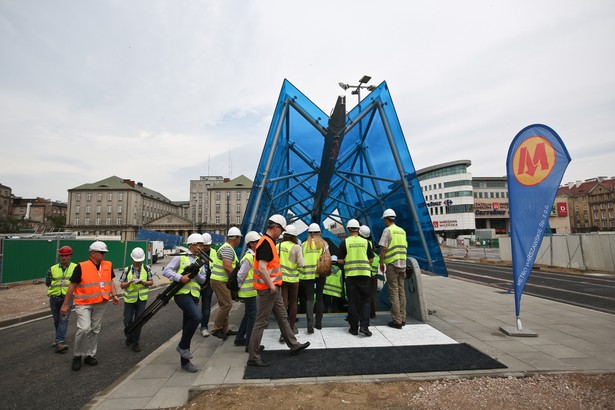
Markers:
(491, 204)
(198, 206)
(588, 204)
(115, 206)
(5, 201)
(37, 214)
(227, 204)
(447, 189)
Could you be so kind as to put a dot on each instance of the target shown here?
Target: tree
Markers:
(8, 224)
(57, 221)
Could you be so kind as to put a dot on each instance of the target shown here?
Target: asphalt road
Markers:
(593, 291)
(32, 376)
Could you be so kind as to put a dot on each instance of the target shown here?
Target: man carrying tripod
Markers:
(187, 298)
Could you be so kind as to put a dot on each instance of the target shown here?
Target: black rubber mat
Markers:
(371, 360)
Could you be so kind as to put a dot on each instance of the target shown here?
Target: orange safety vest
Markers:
(273, 267)
(95, 285)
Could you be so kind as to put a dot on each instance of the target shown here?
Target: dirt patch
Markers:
(560, 391)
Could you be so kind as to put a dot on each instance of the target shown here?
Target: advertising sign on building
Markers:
(562, 209)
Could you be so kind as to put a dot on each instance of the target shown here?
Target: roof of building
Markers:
(465, 162)
(585, 187)
(114, 183)
(241, 182)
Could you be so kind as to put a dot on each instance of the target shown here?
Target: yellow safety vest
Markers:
(310, 260)
(191, 287)
(135, 290)
(333, 283)
(356, 262)
(290, 273)
(60, 279)
(247, 287)
(217, 270)
(398, 248)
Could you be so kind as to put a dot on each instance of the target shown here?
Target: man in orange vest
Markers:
(268, 283)
(91, 287)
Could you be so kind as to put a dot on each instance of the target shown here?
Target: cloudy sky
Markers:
(161, 91)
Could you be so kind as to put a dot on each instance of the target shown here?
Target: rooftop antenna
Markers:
(230, 164)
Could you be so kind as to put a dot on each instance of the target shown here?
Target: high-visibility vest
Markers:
(397, 249)
(135, 290)
(247, 287)
(356, 262)
(311, 254)
(290, 273)
(273, 267)
(333, 283)
(191, 287)
(217, 270)
(60, 279)
(375, 265)
(95, 285)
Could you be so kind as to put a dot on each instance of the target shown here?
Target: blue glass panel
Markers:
(373, 171)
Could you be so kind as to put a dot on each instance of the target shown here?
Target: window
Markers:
(238, 196)
(576, 208)
(238, 208)
(88, 197)
(217, 208)
(109, 197)
(77, 208)
(108, 221)
(99, 197)
(585, 207)
(436, 210)
(109, 209)
(217, 196)
(87, 221)
(76, 221)
(97, 221)
(238, 220)
(431, 211)
(440, 196)
(441, 210)
(97, 209)
(78, 197)
(119, 221)
(120, 197)
(119, 209)
(217, 220)
(88, 208)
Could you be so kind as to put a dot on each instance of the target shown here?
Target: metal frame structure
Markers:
(316, 168)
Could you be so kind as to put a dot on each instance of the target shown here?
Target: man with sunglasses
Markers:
(91, 287)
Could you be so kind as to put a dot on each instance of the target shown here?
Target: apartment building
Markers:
(589, 204)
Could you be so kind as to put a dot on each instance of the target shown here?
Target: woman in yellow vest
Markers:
(312, 248)
(365, 232)
(187, 298)
(247, 293)
(58, 278)
(135, 280)
(291, 260)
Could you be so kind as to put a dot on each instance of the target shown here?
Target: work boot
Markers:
(394, 325)
(310, 329)
(281, 339)
(353, 331)
(365, 330)
(136, 348)
(90, 361)
(61, 347)
(76, 365)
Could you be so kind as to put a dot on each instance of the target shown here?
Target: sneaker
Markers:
(61, 347)
(394, 325)
(136, 347)
(184, 353)
(353, 331)
(301, 347)
(259, 363)
(90, 361)
(190, 368)
(365, 330)
(76, 365)
(205, 332)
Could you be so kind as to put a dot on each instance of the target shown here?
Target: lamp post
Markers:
(357, 88)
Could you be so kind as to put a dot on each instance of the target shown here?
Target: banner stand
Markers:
(517, 331)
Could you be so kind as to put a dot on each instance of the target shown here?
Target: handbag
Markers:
(323, 267)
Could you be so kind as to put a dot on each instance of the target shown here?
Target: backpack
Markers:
(323, 267)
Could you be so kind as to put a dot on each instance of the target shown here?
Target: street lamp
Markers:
(357, 88)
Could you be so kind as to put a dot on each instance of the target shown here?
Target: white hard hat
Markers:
(353, 224)
(389, 213)
(137, 255)
(364, 231)
(98, 246)
(314, 227)
(252, 236)
(291, 230)
(195, 238)
(234, 231)
(278, 219)
(206, 239)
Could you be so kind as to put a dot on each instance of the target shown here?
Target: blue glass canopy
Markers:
(355, 165)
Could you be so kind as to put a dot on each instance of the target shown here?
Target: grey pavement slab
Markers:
(569, 338)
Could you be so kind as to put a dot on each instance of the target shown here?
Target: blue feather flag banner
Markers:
(537, 160)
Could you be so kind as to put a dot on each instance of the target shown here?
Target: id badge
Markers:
(102, 285)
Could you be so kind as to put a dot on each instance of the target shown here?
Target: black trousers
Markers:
(359, 290)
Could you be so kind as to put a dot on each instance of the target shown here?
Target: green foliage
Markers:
(9, 224)
(57, 221)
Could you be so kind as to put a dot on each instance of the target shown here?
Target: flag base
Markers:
(513, 331)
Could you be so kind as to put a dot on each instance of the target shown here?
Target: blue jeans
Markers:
(59, 323)
(206, 295)
(131, 312)
(247, 323)
(192, 317)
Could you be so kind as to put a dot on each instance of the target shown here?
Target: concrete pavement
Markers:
(570, 339)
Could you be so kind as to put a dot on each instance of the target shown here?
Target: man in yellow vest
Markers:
(393, 254)
(58, 278)
(226, 260)
(291, 261)
(92, 287)
(332, 292)
(247, 293)
(135, 280)
(356, 255)
(365, 232)
(268, 283)
(187, 298)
